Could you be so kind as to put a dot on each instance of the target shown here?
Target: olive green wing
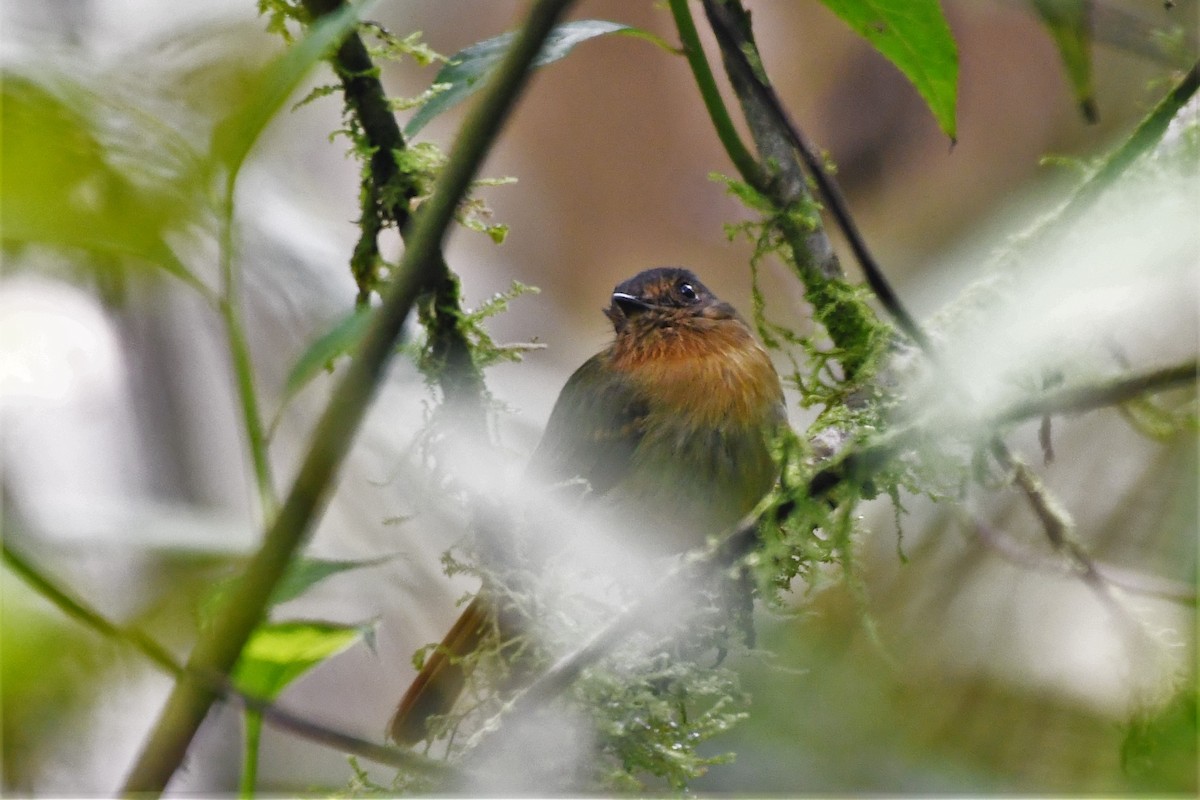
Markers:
(594, 429)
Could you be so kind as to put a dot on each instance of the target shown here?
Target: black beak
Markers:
(628, 303)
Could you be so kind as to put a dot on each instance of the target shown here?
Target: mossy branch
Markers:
(856, 464)
(387, 199)
(782, 140)
(219, 647)
(779, 177)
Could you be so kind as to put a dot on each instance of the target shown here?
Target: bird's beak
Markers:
(628, 303)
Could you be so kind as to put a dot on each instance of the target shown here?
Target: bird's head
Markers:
(663, 298)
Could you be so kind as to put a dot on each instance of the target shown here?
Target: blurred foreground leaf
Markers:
(280, 652)
(914, 36)
(300, 576)
(64, 186)
(319, 355)
(1160, 750)
(467, 69)
(306, 572)
(236, 134)
(1069, 22)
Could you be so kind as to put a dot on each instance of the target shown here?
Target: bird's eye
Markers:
(687, 292)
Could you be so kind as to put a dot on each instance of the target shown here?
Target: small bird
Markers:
(668, 429)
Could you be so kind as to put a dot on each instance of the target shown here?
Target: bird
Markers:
(667, 431)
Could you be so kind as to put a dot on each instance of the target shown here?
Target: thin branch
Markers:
(730, 23)
(1058, 528)
(1127, 579)
(1119, 390)
(1053, 518)
(386, 198)
(722, 122)
(1057, 524)
(228, 305)
(219, 647)
(1147, 134)
(161, 658)
(778, 176)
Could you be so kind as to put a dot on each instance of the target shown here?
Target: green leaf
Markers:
(1069, 23)
(68, 182)
(467, 69)
(236, 134)
(301, 575)
(914, 36)
(1158, 753)
(306, 572)
(280, 652)
(320, 354)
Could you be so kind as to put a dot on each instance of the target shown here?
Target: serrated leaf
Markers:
(914, 36)
(1069, 23)
(236, 134)
(340, 339)
(467, 69)
(280, 652)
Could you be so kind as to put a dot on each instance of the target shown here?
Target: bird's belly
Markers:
(688, 484)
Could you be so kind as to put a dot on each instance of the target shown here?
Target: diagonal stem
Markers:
(158, 655)
(736, 45)
(219, 647)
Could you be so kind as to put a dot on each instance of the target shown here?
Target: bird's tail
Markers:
(442, 678)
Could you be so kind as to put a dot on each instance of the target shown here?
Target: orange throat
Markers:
(710, 371)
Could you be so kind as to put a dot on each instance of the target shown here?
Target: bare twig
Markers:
(1119, 390)
(219, 647)
(1054, 519)
(1057, 524)
(1127, 579)
(158, 655)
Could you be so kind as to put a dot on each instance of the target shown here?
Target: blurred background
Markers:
(125, 472)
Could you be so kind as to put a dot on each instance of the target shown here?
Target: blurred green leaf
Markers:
(321, 353)
(1069, 22)
(50, 668)
(306, 572)
(467, 69)
(300, 576)
(236, 134)
(64, 186)
(280, 652)
(914, 36)
(1159, 750)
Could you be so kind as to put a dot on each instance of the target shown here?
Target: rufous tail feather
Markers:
(441, 679)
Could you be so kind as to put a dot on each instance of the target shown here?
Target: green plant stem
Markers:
(158, 655)
(1146, 135)
(243, 368)
(1122, 389)
(90, 618)
(741, 157)
(219, 647)
(252, 734)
